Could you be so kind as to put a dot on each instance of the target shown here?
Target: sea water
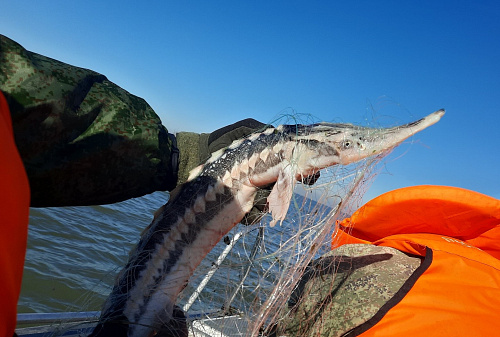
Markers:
(75, 253)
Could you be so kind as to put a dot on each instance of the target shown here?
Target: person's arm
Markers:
(344, 289)
(83, 139)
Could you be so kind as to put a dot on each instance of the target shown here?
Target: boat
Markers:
(79, 324)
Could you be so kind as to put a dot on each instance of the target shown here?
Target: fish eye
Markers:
(346, 144)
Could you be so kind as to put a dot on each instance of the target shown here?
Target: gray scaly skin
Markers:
(215, 198)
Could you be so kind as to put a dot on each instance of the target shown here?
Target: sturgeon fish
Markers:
(215, 198)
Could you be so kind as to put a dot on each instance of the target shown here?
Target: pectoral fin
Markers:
(281, 195)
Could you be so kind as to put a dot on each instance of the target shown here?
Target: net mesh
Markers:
(257, 277)
(253, 271)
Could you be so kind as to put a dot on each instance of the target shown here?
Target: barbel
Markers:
(215, 198)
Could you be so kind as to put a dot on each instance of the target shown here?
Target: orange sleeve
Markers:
(14, 212)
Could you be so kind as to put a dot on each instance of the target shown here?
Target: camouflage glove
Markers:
(195, 149)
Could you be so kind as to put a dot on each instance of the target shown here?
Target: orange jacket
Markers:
(14, 211)
(456, 290)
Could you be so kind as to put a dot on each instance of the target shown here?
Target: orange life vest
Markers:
(14, 211)
(456, 290)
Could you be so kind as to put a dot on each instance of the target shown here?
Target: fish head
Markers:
(325, 144)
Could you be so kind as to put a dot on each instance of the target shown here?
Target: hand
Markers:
(223, 137)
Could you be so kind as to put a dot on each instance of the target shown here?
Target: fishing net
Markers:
(256, 269)
(252, 274)
(245, 286)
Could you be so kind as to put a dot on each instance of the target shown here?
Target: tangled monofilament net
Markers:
(255, 268)
(264, 264)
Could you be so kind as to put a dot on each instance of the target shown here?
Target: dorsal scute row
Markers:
(224, 159)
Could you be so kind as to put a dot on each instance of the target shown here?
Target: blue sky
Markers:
(204, 64)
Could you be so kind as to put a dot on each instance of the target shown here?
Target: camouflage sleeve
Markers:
(83, 139)
(344, 289)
